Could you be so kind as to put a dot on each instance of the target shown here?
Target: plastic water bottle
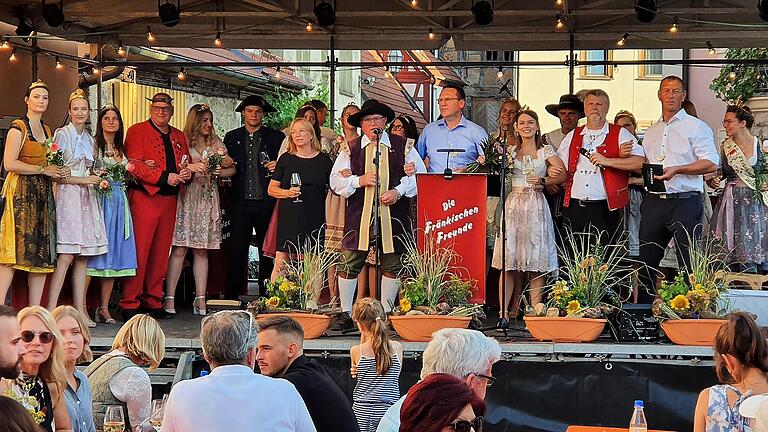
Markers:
(637, 423)
(205, 373)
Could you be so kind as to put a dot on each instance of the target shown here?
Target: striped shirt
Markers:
(374, 393)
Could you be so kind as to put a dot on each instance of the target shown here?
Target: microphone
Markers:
(584, 152)
(378, 131)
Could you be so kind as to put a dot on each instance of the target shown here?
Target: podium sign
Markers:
(452, 214)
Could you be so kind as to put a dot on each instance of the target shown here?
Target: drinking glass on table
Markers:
(158, 410)
(265, 159)
(113, 419)
(296, 183)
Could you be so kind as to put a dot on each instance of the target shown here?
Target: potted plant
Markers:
(579, 302)
(691, 307)
(489, 163)
(432, 295)
(296, 293)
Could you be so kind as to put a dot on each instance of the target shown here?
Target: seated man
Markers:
(234, 398)
(281, 355)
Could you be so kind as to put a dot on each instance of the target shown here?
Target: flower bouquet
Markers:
(30, 403)
(492, 157)
(54, 155)
(213, 161)
(112, 173)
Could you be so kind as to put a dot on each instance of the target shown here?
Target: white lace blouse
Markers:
(133, 386)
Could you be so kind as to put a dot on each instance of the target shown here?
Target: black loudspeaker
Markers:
(634, 323)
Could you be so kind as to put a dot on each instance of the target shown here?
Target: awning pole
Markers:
(34, 59)
(332, 88)
(571, 64)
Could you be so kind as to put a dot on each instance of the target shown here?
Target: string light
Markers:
(309, 26)
(500, 74)
(674, 28)
(711, 48)
(13, 56)
(414, 3)
(277, 74)
(59, 66)
(431, 34)
(559, 3)
(732, 76)
(150, 36)
(559, 22)
(120, 49)
(182, 75)
(217, 42)
(5, 45)
(623, 40)
(96, 70)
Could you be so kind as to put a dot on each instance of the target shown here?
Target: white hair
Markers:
(226, 336)
(459, 352)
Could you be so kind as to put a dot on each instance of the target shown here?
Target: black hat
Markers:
(567, 101)
(371, 107)
(161, 97)
(258, 101)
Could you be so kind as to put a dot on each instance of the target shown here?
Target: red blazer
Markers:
(616, 181)
(143, 143)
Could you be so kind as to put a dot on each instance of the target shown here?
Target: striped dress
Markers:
(374, 393)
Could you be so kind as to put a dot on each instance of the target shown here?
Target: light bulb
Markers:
(13, 56)
(121, 50)
(309, 26)
(59, 66)
(150, 36)
(414, 3)
(674, 28)
(431, 34)
(277, 74)
(218, 42)
(500, 74)
(181, 75)
(559, 22)
(732, 76)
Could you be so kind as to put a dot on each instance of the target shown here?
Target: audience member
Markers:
(232, 397)
(15, 417)
(117, 378)
(466, 354)
(322, 114)
(741, 363)
(281, 355)
(442, 403)
(11, 348)
(77, 340)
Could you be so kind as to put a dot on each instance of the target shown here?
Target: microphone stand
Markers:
(503, 323)
(377, 212)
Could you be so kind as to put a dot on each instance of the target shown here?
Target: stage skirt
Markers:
(79, 221)
(530, 233)
(120, 259)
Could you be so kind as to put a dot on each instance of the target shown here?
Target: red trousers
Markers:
(154, 217)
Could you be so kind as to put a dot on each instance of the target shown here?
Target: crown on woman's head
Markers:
(77, 94)
(38, 84)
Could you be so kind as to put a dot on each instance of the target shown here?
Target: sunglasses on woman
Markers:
(475, 425)
(28, 336)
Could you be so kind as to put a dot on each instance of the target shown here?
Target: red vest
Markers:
(616, 181)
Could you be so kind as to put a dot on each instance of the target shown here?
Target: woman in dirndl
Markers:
(741, 217)
(28, 226)
(530, 234)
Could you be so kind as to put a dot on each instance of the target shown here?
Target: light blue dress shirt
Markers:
(465, 136)
(80, 404)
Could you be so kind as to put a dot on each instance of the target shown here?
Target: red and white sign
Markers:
(452, 213)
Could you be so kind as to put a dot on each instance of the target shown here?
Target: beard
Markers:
(10, 371)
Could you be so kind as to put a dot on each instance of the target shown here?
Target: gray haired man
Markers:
(232, 397)
(466, 354)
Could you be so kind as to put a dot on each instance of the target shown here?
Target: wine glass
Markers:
(113, 419)
(158, 410)
(296, 182)
(265, 159)
(527, 166)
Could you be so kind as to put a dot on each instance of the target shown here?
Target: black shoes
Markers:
(159, 314)
(344, 323)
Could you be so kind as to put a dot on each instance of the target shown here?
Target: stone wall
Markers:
(759, 106)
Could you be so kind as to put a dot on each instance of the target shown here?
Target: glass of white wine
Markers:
(113, 419)
(527, 167)
(158, 410)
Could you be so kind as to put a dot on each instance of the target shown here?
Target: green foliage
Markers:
(668, 290)
(749, 80)
(288, 103)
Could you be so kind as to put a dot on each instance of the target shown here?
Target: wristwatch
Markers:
(541, 181)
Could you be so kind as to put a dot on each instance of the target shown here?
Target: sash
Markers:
(741, 165)
(387, 241)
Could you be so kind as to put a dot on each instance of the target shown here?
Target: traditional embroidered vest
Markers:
(99, 374)
(395, 219)
(616, 181)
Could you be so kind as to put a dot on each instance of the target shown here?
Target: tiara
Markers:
(108, 107)
(203, 107)
(77, 94)
(38, 84)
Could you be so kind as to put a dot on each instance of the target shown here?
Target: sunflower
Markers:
(679, 303)
(273, 302)
(405, 304)
(573, 307)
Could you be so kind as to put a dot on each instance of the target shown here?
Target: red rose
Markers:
(220, 151)
(54, 147)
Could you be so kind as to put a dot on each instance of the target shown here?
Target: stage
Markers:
(541, 386)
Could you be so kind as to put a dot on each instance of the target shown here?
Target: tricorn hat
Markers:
(257, 101)
(567, 101)
(371, 107)
(161, 97)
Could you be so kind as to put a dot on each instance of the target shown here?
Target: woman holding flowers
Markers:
(198, 216)
(741, 217)
(28, 224)
(530, 235)
(120, 259)
(80, 230)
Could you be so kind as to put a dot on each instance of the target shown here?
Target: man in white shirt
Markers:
(233, 397)
(466, 354)
(686, 149)
(11, 348)
(357, 156)
(596, 189)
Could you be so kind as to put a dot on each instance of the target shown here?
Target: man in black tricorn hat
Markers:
(569, 110)
(250, 207)
(359, 190)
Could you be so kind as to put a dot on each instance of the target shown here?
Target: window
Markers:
(651, 70)
(395, 56)
(346, 76)
(500, 56)
(303, 72)
(599, 70)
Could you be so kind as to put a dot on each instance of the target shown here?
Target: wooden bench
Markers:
(755, 281)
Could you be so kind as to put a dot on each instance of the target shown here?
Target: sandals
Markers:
(167, 309)
(101, 314)
(199, 311)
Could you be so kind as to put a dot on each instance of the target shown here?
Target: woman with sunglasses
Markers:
(77, 340)
(442, 403)
(117, 378)
(41, 385)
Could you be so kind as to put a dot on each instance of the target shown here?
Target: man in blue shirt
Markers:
(454, 132)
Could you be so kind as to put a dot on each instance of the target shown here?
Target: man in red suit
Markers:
(158, 153)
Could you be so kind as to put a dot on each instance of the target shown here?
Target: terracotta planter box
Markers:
(700, 332)
(419, 328)
(565, 329)
(314, 325)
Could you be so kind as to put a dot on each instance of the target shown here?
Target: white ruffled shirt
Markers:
(77, 149)
(133, 386)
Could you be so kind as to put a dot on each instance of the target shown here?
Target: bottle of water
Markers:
(203, 373)
(637, 423)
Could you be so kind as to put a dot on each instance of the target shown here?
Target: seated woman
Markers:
(741, 363)
(15, 417)
(77, 341)
(117, 377)
(441, 403)
(40, 387)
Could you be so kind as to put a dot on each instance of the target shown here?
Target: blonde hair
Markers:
(370, 315)
(52, 371)
(142, 337)
(315, 143)
(62, 312)
(195, 122)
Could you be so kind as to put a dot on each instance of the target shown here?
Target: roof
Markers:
(441, 73)
(396, 24)
(386, 89)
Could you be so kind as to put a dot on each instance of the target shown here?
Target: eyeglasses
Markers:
(397, 127)
(28, 336)
(490, 379)
(446, 100)
(161, 109)
(475, 425)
